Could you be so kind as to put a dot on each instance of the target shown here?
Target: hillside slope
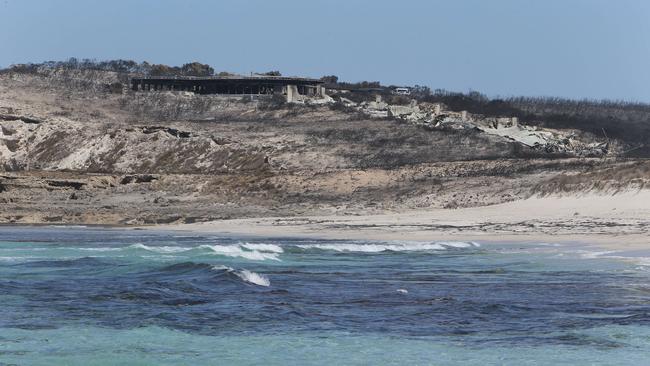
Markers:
(73, 149)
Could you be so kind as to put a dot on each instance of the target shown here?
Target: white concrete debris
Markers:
(326, 99)
(347, 102)
(435, 115)
(293, 96)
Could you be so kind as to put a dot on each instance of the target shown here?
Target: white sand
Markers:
(619, 221)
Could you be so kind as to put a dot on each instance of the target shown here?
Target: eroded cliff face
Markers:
(64, 145)
(75, 150)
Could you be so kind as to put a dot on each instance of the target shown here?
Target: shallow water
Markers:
(88, 296)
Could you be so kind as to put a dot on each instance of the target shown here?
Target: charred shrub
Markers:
(273, 102)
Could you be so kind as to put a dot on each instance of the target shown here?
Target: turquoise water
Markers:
(89, 296)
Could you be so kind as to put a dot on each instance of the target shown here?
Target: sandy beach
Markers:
(615, 221)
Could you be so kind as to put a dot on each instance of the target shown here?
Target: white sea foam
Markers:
(272, 248)
(220, 267)
(459, 244)
(238, 251)
(161, 249)
(549, 244)
(643, 261)
(593, 254)
(258, 252)
(254, 278)
(96, 249)
(395, 247)
(17, 259)
(246, 275)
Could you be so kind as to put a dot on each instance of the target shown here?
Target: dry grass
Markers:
(633, 175)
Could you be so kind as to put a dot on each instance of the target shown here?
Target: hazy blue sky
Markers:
(572, 48)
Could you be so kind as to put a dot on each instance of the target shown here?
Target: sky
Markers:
(593, 49)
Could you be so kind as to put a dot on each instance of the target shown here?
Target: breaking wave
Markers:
(392, 247)
(161, 249)
(264, 247)
(254, 278)
(106, 249)
(267, 251)
(242, 251)
(246, 275)
(249, 251)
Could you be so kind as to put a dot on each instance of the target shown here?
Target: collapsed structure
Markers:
(291, 87)
(437, 116)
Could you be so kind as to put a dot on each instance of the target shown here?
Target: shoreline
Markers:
(619, 222)
(615, 222)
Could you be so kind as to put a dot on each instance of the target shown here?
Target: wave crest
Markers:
(246, 275)
(160, 249)
(392, 247)
(272, 248)
(239, 251)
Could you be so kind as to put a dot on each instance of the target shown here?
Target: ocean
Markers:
(105, 296)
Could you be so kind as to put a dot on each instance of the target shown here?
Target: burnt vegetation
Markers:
(119, 66)
(626, 121)
(613, 119)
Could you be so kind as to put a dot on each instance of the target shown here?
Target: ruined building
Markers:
(291, 87)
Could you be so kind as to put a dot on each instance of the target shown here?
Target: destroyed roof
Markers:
(300, 80)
